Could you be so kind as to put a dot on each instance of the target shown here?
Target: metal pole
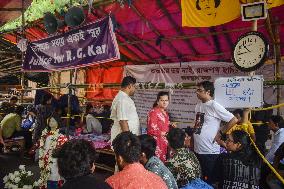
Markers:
(23, 73)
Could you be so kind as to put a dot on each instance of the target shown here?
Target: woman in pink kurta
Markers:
(158, 124)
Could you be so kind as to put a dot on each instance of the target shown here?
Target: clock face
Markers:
(250, 51)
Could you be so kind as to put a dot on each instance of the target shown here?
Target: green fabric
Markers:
(10, 124)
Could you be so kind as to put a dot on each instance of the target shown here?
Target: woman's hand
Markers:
(173, 125)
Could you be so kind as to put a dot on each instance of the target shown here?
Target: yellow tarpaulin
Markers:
(206, 13)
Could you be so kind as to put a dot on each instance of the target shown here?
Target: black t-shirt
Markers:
(85, 182)
(232, 173)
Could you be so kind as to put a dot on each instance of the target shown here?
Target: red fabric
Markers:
(158, 122)
(102, 75)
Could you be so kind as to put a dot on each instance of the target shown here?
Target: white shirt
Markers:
(93, 124)
(277, 141)
(213, 114)
(123, 108)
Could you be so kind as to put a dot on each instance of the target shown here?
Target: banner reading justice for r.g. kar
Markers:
(87, 45)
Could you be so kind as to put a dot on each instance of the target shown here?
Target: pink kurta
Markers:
(158, 122)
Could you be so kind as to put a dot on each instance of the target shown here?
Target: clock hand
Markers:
(242, 53)
(247, 49)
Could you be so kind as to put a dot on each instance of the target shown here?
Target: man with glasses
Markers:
(207, 131)
(123, 110)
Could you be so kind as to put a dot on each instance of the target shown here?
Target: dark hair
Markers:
(217, 3)
(19, 110)
(208, 86)
(75, 158)
(88, 107)
(176, 138)
(238, 111)
(14, 98)
(161, 93)
(127, 145)
(148, 145)
(46, 97)
(247, 153)
(278, 120)
(128, 80)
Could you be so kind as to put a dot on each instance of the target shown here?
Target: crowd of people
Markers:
(215, 152)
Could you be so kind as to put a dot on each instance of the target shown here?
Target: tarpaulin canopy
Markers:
(150, 32)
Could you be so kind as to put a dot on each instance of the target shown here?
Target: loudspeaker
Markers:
(74, 17)
(51, 24)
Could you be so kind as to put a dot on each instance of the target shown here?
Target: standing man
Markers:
(123, 110)
(209, 115)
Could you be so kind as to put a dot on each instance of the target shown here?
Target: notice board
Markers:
(239, 92)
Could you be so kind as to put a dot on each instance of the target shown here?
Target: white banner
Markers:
(183, 101)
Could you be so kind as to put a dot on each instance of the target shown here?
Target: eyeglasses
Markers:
(200, 90)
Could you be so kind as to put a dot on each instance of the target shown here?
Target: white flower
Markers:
(17, 179)
(36, 183)
(14, 187)
(5, 179)
(29, 173)
(11, 176)
(16, 173)
(22, 167)
(27, 187)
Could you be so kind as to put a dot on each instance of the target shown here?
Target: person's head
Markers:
(205, 90)
(177, 138)
(19, 110)
(128, 85)
(89, 108)
(75, 158)
(127, 149)
(238, 113)
(275, 122)
(52, 123)
(237, 140)
(13, 100)
(46, 99)
(208, 6)
(162, 100)
(148, 147)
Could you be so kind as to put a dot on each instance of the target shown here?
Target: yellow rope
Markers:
(268, 108)
(267, 162)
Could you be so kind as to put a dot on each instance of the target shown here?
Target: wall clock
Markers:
(250, 51)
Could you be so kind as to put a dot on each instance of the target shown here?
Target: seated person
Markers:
(50, 139)
(93, 125)
(241, 166)
(272, 181)
(243, 122)
(75, 161)
(10, 127)
(276, 124)
(184, 164)
(132, 174)
(153, 163)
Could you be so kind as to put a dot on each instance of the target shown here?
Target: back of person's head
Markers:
(148, 145)
(176, 138)
(277, 119)
(75, 158)
(19, 110)
(89, 106)
(238, 111)
(161, 93)
(128, 80)
(127, 145)
(208, 86)
(246, 153)
(45, 98)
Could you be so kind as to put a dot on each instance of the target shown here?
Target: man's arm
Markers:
(229, 125)
(124, 125)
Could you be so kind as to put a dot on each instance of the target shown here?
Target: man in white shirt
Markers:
(123, 110)
(93, 125)
(276, 124)
(207, 131)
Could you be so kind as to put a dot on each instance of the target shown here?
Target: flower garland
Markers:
(45, 160)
